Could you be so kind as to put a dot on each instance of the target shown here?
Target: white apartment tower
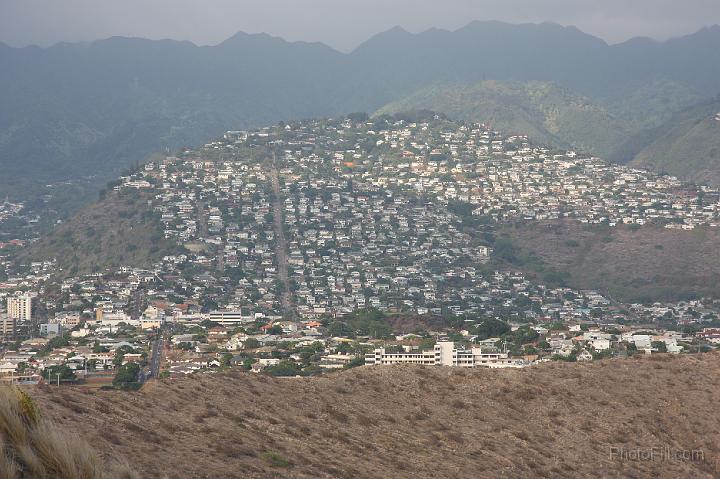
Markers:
(20, 307)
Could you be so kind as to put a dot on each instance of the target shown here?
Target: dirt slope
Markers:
(650, 263)
(555, 420)
(117, 230)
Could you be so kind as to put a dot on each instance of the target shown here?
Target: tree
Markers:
(492, 328)
(283, 369)
(505, 250)
(276, 330)
(691, 328)
(359, 361)
(120, 355)
(54, 343)
(251, 343)
(343, 348)
(312, 370)
(126, 376)
(525, 334)
(66, 374)
(365, 322)
(226, 359)
(340, 329)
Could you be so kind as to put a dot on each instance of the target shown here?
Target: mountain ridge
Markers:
(548, 113)
(91, 109)
(687, 146)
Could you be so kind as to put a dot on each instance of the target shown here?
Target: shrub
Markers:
(284, 368)
(276, 460)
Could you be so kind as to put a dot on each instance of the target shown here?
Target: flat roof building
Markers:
(445, 354)
(20, 307)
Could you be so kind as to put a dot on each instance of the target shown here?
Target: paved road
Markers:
(202, 218)
(137, 303)
(281, 247)
(631, 314)
(156, 358)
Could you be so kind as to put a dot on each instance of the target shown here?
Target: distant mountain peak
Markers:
(638, 43)
(244, 36)
(398, 29)
(241, 39)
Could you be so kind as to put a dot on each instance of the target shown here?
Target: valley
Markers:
(465, 249)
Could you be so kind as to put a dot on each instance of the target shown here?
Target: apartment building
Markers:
(8, 327)
(20, 307)
(230, 317)
(445, 354)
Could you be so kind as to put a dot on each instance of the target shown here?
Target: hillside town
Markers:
(15, 225)
(328, 244)
(92, 347)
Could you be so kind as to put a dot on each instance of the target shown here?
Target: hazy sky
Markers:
(342, 24)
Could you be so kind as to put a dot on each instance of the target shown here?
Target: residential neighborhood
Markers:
(307, 247)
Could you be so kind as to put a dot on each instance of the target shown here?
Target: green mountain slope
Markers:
(688, 146)
(89, 110)
(649, 105)
(546, 112)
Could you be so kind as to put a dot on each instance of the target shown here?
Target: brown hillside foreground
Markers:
(554, 420)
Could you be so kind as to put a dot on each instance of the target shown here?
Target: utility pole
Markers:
(58, 379)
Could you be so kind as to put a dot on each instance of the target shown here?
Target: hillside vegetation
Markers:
(651, 104)
(547, 113)
(119, 229)
(554, 420)
(33, 447)
(91, 109)
(646, 264)
(687, 146)
(619, 128)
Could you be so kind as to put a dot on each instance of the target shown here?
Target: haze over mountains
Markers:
(92, 109)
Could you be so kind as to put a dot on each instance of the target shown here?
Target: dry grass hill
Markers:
(556, 420)
(120, 229)
(646, 264)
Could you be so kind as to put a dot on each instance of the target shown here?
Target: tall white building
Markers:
(20, 307)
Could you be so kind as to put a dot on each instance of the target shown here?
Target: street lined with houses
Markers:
(300, 244)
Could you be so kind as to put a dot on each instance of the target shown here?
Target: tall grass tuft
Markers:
(32, 447)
